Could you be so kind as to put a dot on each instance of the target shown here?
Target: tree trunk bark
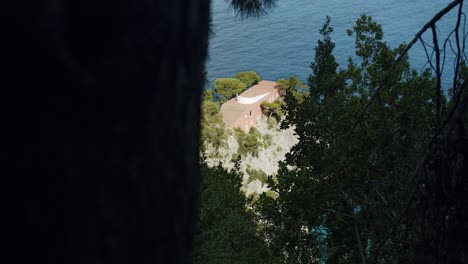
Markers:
(102, 128)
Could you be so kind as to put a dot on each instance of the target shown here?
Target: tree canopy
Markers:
(211, 126)
(379, 173)
(226, 231)
(226, 88)
(273, 109)
(340, 186)
(249, 78)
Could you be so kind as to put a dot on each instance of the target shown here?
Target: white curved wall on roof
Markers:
(250, 100)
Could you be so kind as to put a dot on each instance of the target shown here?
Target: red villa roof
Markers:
(261, 88)
(232, 110)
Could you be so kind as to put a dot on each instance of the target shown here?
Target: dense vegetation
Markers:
(227, 88)
(226, 231)
(348, 192)
(212, 127)
(273, 109)
(349, 183)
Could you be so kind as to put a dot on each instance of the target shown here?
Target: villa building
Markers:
(245, 110)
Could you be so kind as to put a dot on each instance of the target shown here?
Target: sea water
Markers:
(281, 43)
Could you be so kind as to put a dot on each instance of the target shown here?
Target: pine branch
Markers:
(429, 24)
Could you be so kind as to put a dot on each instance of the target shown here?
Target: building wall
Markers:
(250, 117)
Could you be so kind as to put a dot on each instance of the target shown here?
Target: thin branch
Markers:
(429, 24)
(358, 238)
(464, 30)
(438, 74)
(423, 68)
(429, 58)
(457, 39)
(464, 40)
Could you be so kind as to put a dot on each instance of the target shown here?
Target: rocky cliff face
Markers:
(266, 161)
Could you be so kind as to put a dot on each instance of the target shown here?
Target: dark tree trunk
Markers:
(102, 128)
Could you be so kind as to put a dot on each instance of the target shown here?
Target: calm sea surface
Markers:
(282, 42)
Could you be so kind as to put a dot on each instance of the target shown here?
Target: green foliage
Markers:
(249, 8)
(208, 95)
(273, 109)
(235, 157)
(267, 140)
(339, 191)
(253, 131)
(226, 231)
(212, 127)
(251, 144)
(295, 93)
(272, 122)
(248, 143)
(271, 194)
(324, 81)
(240, 135)
(294, 87)
(368, 39)
(249, 78)
(292, 83)
(349, 179)
(257, 175)
(226, 88)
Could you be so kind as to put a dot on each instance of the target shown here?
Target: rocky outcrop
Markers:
(281, 141)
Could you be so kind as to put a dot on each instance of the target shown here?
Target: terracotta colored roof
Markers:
(232, 110)
(261, 88)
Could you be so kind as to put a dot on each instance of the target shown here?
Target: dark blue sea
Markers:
(281, 43)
